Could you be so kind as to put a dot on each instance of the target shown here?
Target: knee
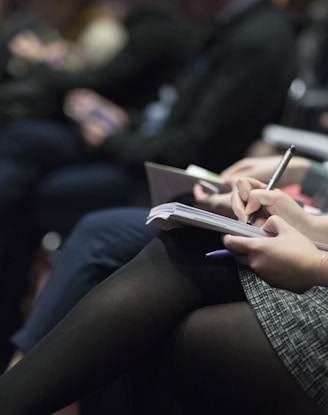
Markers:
(88, 227)
(100, 227)
(100, 221)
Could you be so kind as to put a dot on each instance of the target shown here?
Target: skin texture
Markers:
(261, 168)
(288, 260)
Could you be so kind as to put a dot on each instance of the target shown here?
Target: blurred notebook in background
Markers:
(167, 184)
(307, 142)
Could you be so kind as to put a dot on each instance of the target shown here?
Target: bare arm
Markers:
(289, 259)
(261, 168)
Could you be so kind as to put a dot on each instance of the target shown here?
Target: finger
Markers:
(243, 187)
(199, 193)
(238, 206)
(243, 259)
(240, 195)
(240, 245)
(263, 198)
(276, 225)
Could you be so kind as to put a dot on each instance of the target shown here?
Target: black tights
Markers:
(221, 358)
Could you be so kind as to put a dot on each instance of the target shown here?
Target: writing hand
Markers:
(249, 195)
(288, 260)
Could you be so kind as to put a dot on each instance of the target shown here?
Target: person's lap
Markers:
(223, 362)
(29, 150)
(169, 285)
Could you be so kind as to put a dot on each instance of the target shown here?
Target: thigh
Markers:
(216, 278)
(101, 243)
(67, 194)
(30, 150)
(224, 362)
(44, 143)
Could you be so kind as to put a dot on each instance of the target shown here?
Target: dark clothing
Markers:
(100, 244)
(226, 97)
(170, 297)
(236, 85)
(160, 41)
(320, 64)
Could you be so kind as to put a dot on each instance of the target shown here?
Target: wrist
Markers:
(298, 169)
(315, 227)
(323, 270)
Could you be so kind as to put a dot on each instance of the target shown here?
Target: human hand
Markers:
(250, 195)
(98, 118)
(261, 168)
(218, 203)
(26, 45)
(288, 260)
(57, 53)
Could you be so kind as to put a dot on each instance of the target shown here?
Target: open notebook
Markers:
(172, 215)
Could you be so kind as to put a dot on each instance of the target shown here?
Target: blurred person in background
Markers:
(59, 35)
(105, 240)
(146, 33)
(159, 43)
(224, 97)
(68, 35)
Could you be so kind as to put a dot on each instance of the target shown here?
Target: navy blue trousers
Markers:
(47, 163)
(101, 242)
(48, 181)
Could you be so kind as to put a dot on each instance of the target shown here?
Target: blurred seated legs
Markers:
(101, 243)
(168, 288)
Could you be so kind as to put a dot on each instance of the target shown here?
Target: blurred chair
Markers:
(304, 106)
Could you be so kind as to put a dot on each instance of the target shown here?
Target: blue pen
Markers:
(219, 253)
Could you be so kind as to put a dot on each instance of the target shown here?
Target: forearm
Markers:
(323, 270)
(316, 228)
(297, 170)
(170, 147)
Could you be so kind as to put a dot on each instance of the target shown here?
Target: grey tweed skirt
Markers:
(297, 327)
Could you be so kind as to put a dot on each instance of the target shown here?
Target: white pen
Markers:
(275, 177)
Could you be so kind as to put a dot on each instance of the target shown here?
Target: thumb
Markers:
(237, 244)
(276, 225)
(262, 198)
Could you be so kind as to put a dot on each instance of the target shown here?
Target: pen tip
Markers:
(292, 148)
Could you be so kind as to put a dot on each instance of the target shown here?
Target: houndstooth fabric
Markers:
(297, 327)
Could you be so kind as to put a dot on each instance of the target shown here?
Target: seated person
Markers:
(232, 77)
(106, 240)
(70, 35)
(260, 317)
(54, 177)
(115, 66)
